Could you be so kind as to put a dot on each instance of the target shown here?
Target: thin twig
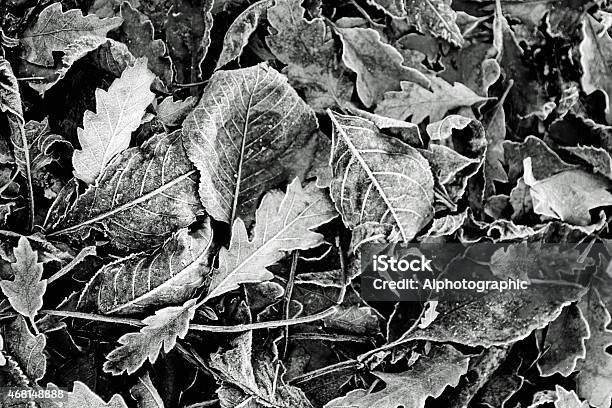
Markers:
(94, 317)
(35, 78)
(343, 365)
(189, 85)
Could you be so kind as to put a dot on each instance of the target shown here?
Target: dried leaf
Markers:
(25, 292)
(145, 393)
(26, 349)
(378, 65)
(140, 40)
(429, 315)
(167, 276)
(444, 366)
(419, 103)
(81, 396)
(595, 58)
(247, 124)
(155, 195)
(55, 29)
(108, 131)
(565, 343)
(161, 329)
(569, 195)
(568, 399)
(238, 34)
(378, 179)
(311, 55)
(173, 113)
(597, 157)
(284, 222)
(594, 380)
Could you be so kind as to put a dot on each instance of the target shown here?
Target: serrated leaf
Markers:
(140, 39)
(284, 222)
(161, 330)
(239, 32)
(595, 58)
(25, 292)
(594, 380)
(565, 341)
(378, 65)
(241, 136)
(569, 195)
(55, 29)
(445, 226)
(145, 194)
(26, 349)
(443, 367)
(145, 393)
(81, 396)
(311, 55)
(378, 179)
(167, 276)
(108, 131)
(419, 103)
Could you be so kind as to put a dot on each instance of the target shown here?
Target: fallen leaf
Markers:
(169, 275)
(568, 399)
(145, 393)
(140, 209)
(25, 292)
(173, 113)
(444, 366)
(161, 330)
(81, 396)
(284, 222)
(108, 131)
(418, 103)
(26, 348)
(248, 122)
(378, 179)
(378, 65)
(55, 29)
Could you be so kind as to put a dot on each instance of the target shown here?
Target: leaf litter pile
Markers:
(186, 187)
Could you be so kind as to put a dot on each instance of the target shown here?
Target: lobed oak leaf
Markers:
(419, 103)
(243, 136)
(284, 222)
(81, 396)
(54, 29)
(378, 179)
(161, 330)
(568, 399)
(109, 130)
(25, 292)
(443, 367)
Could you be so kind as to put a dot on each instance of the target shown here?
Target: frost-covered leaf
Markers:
(544, 161)
(443, 367)
(419, 103)
(81, 396)
(284, 222)
(429, 315)
(140, 40)
(594, 380)
(25, 292)
(172, 113)
(597, 157)
(242, 137)
(55, 29)
(378, 65)
(354, 319)
(239, 32)
(26, 348)
(312, 57)
(378, 179)
(445, 226)
(569, 195)
(565, 343)
(595, 58)
(118, 113)
(568, 399)
(161, 330)
(143, 195)
(167, 276)
(145, 393)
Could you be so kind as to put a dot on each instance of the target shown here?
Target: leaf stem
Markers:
(287, 299)
(85, 252)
